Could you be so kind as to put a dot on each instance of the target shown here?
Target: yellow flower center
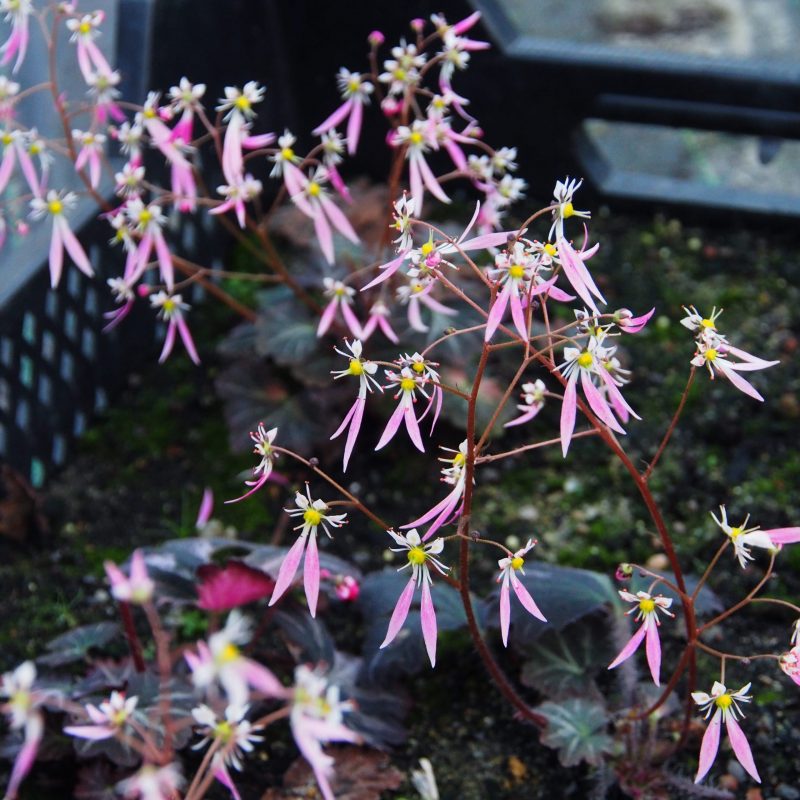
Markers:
(735, 533)
(708, 323)
(146, 216)
(119, 718)
(312, 517)
(517, 562)
(149, 113)
(313, 189)
(724, 701)
(242, 103)
(418, 367)
(408, 384)
(567, 210)
(585, 360)
(223, 730)
(356, 367)
(84, 28)
(169, 305)
(287, 154)
(55, 206)
(417, 288)
(516, 271)
(399, 74)
(427, 248)
(354, 84)
(415, 138)
(711, 354)
(35, 149)
(340, 291)
(459, 460)
(648, 605)
(550, 249)
(416, 555)
(6, 139)
(229, 654)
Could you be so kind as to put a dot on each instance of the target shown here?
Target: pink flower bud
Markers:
(22, 228)
(142, 290)
(347, 588)
(417, 24)
(624, 572)
(376, 38)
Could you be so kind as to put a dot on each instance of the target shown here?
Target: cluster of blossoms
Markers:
(716, 353)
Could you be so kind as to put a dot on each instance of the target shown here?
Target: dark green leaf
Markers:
(577, 729)
(76, 644)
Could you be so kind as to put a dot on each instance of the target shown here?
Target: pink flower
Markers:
(23, 713)
(84, 31)
(341, 298)
(416, 293)
(153, 783)
(355, 93)
(138, 588)
(236, 195)
(90, 154)
(790, 663)
(185, 98)
(646, 608)
(417, 142)
(723, 706)
(310, 197)
(220, 660)
(419, 555)
(628, 323)
(62, 237)
(238, 103)
(743, 537)
(103, 88)
(317, 718)
(262, 439)
(781, 536)
(315, 514)
(447, 509)
(148, 221)
(407, 383)
(379, 318)
(171, 308)
(111, 717)
(509, 566)
(533, 394)
(364, 371)
(562, 195)
(17, 12)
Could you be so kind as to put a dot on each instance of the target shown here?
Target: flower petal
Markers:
(400, 613)
(629, 648)
(741, 748)
(709, 746)
(428, 619)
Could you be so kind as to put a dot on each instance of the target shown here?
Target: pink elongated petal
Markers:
(755, 361)
(635, 324)
(355, 427)
(438, 397)
(334, 119)
(206, 507)
(391, 426)
(29, 171)
(465, 24)
(630, 648)
(413, 427)
(569, 261)
(354, 126)
(10, 48)
(387, 270)
(256, 485)
(311, 574)
(497, 311)
(6, 167)
(346, 420)
(80, 161)
(435, 305)
(653, 649)
(456, 155)
(350, 318)
(523, 595)
(339, 220)
(505, 610)
(427, 615)
(326, 318)
(240, 212)
(784, 535)
(164, 260)
(338, 183)
(486, 241)
(324, 234)
(738, 381)
(73, 246)
(26, 756)
(518, 315)
(97, 57)
(93, 732)
(399, 614)
(617, 399)
(186, 338)
(414, 316)
(260, 678)
(568, 408)
(138, 568)
(431, 184)
(415, 183)
(526, 416)
(578, 264)
(598, 403)
(288, 569)
(709, 746)
(741, 748)
(445, 505)
(560, 295)
(224, 777)
(95, 169)
(56, 257)
(232, 162)
(389, 333)
(169, 342)
(259, 140)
